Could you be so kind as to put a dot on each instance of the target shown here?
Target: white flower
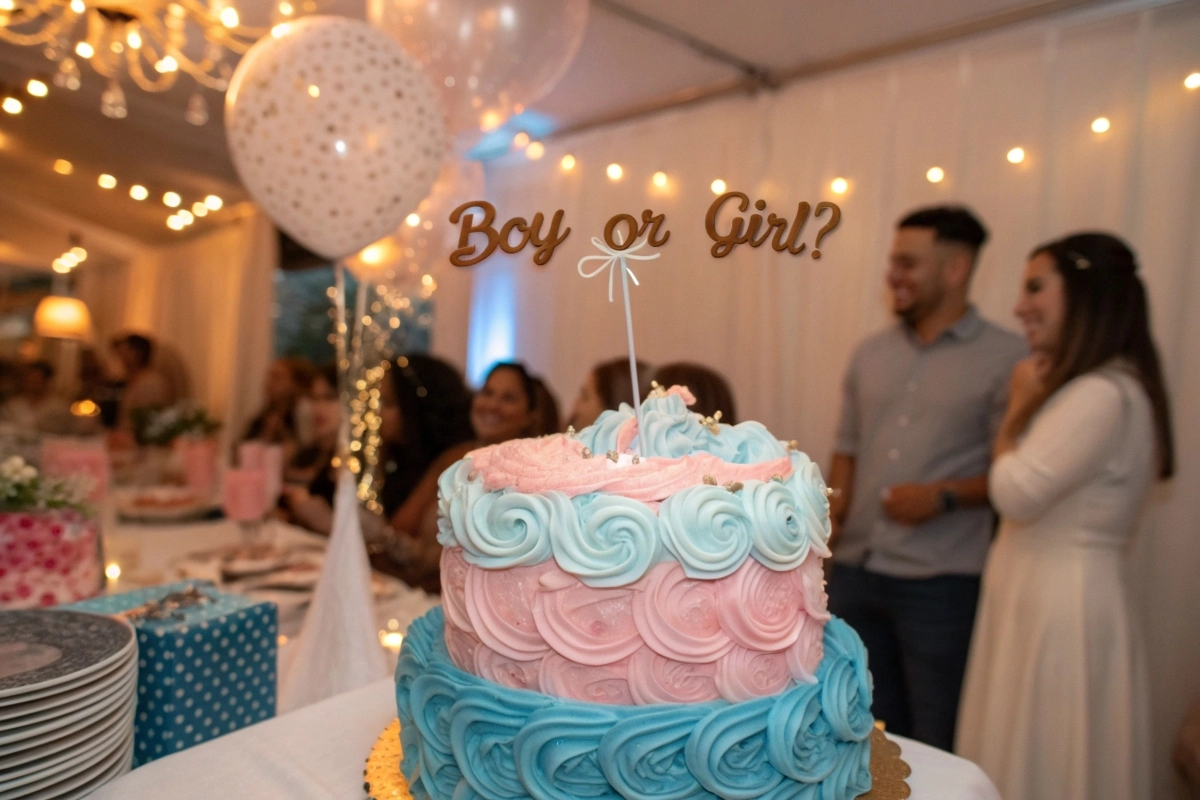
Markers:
(11, 467)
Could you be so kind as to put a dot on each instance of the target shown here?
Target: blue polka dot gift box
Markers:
(206, 663)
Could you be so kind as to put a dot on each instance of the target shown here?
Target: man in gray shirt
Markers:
(922, 402)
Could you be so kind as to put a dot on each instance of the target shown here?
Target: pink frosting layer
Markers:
(556, 463)
(665, 639)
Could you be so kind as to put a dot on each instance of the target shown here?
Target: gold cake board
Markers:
(382, 779)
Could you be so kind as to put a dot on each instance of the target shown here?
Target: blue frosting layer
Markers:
(669, 430)
(607, 540)
(465, 737)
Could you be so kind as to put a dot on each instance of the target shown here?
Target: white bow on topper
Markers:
(611, 258)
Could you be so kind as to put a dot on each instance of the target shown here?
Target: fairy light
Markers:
(1016, 155)
(839, 185)
(1101, 125)
(412, 220)
(567, 163)
(63, 167)
(139, 192)
(718, 186)
(37, 88)
(614, 172)
(935, 174)
(213, 202)
(659, 179)
(535, 150)
(172, 200)
(107, 181)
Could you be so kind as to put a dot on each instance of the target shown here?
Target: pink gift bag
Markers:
(245, 494)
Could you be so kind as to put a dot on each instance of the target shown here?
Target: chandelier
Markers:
(149, 41)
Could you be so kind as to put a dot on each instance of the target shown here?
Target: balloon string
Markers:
(343, 362)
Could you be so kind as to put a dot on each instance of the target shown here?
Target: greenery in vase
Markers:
(23, 488)
(161, 426)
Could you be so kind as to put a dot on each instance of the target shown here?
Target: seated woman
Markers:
(288, 380)
(505, 408)
(604, 389)
(710, 389)
(308, 472)
(145, 385)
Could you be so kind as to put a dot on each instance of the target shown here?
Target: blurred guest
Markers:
(922, 400)
(288, 380)
(97, 385)
(145, 386)
(604, 389)
(547, 409)
(1055, 703)
(309, 471)
(35, 406)
(711, 391)
(506, 407)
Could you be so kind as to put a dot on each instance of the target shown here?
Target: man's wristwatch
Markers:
(947, 500)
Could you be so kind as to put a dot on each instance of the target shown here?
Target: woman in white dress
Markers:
(1054, 703)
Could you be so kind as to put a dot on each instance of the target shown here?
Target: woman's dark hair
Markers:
(327, 373)
(142, 346)
(1107, 317)
(527, 381)
(711, 391)
(545, 414)
(614, 384)
(435, 406)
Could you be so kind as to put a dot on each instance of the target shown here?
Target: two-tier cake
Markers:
(638, 626)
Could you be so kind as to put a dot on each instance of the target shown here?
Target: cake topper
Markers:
(612, 258)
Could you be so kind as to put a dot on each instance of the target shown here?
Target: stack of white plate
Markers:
(68, 690)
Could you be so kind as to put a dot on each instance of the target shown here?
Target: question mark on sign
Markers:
(835, 216)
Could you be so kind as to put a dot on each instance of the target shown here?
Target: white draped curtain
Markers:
(781, 327)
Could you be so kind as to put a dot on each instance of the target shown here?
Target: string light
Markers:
(138, 192)
(172, 200)
(174, 223)
(412, 220)
(567, 163)
(521, 140)
(659, 179)
(107, 181)
(63, 167)
(213, 202)
(1016, 155)
(229, 17)
(314, 91)
(12, 105)
(37, 88)
(1192, 81)
(614, 172)
(84, 50)
(112, 571)
(199, 209)
(839, 185)
(935, 174)
(186, 216)
(718, 186)
(535, 150)
(1101, 125)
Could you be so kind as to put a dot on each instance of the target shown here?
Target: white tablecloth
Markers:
(320, 751)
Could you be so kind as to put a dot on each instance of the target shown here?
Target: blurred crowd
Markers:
(91, 391)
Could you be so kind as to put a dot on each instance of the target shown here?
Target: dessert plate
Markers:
(51, 705)
(65, 761)
(120, 716)
(41, 650)
(86, 718)
(62, 716)
(77, 784)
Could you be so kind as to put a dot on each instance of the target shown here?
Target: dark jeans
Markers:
(917, 633)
